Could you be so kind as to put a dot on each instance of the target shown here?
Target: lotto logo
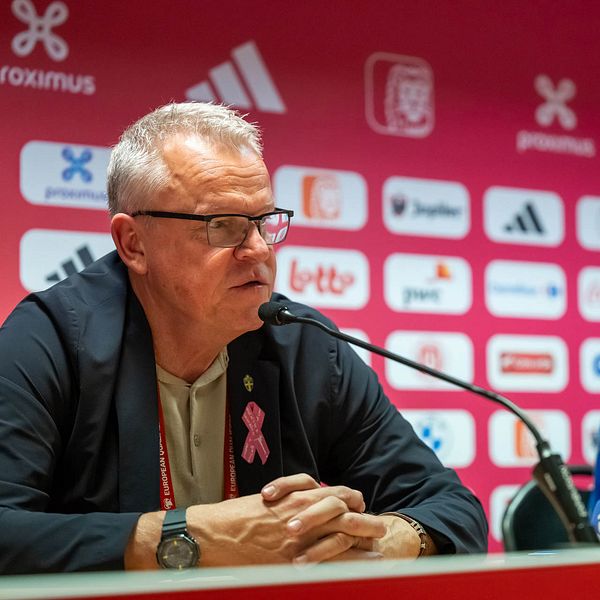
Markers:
(324, 277)
(517, 216)
(522, 363)
(428, 284)
(512, 445)
(40, 29)
(448, 352)
(399, 95)
(323, 197)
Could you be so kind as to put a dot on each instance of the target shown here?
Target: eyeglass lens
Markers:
(226, 232)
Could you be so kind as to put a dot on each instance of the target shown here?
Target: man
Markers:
(148, 381)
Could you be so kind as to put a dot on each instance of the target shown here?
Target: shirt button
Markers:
(196, 440)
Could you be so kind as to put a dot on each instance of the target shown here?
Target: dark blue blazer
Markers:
(79, 427)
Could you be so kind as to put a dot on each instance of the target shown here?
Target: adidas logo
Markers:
(69, 267)
(243, 82)
(527, 221)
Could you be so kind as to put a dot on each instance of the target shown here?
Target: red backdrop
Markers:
(441, 159)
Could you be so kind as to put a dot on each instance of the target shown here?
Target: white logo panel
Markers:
(589, 365)
(521, 363)
(426, 207)
(588, 222)
(449, 433)
(427, 284)
(499, 500)
(451, 353)
(365, 355)
(322, 197)
(399, 95)
(62, 174)
(590, 434)
(47, 257)
(324, 277)
(512, 445)
(517, 216)
(525, 290)
(588, 287)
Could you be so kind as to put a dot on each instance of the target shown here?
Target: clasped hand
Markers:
(292, 519)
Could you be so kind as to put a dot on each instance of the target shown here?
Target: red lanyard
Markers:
(167, 496)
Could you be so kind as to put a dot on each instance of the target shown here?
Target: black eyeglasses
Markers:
(230, 230)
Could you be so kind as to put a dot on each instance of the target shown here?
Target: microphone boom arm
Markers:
(551, 474)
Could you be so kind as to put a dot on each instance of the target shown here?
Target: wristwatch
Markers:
(177, 548)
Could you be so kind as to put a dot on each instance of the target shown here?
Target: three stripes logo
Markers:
(526, 221)
(69, 266)
(243, 82)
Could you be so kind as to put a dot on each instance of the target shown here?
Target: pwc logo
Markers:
(589, 365)
(64, 174)
(448, 352)
(449, 433)
(324, 277)
(244, 82)
(517, 216)
(512, 445)
(426, 207)
(588, 288)
(521, 363)
(588, 222)
(399, 95)
(48, 256)
(323, 197)
(525, 289)
(427, 284)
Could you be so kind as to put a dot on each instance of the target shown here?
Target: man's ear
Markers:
(125, 233)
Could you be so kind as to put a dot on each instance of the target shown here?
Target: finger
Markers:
(283, 486)
(358, 554)
(353, 498)
(327, 517)
(337, 546)
(316, 515)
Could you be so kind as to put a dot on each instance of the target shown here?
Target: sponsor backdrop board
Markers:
(442, 161)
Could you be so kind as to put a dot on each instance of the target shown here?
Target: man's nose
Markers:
(253, 246)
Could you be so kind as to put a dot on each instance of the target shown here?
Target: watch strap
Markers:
(174, 522)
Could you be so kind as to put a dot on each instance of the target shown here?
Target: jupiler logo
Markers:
(553, 110)
(40, 29)
(24, 43)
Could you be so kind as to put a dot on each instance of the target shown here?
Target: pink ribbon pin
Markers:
(253, 418)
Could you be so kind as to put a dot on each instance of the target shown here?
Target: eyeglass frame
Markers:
(161, 214)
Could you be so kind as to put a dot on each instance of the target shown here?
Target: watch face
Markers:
(177, 552)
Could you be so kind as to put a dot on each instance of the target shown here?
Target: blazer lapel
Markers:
(253, 393)
(137, 414)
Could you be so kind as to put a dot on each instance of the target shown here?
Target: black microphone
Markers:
(551, 474)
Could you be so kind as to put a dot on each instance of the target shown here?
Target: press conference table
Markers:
(565, 574)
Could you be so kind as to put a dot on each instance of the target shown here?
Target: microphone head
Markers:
(269, 312)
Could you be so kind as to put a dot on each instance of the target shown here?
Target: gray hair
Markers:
(136, 169)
